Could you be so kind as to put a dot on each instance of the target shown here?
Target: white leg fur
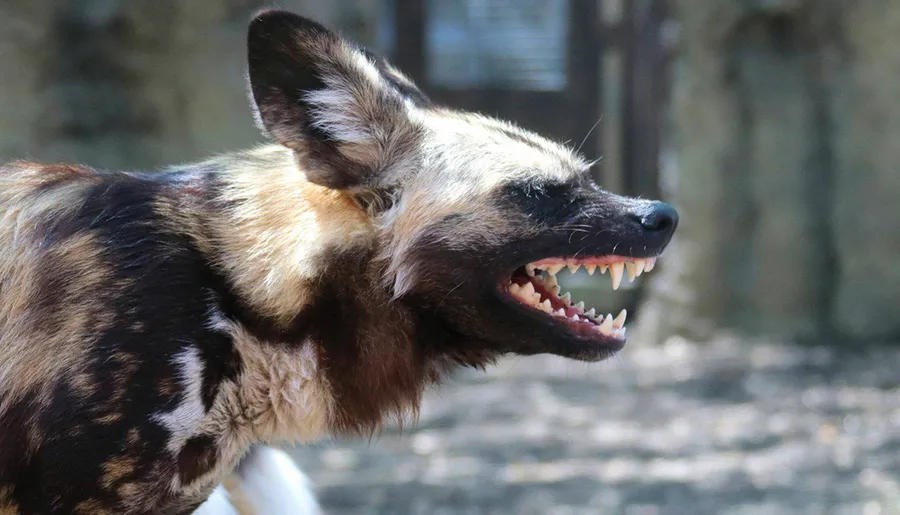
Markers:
(267, 482)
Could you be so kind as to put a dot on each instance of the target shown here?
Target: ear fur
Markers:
(344, 111)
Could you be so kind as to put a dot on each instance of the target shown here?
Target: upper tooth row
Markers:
(634, 268)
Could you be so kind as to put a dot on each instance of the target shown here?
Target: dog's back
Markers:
(102, 362)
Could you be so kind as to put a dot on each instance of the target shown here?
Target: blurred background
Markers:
(762, 370)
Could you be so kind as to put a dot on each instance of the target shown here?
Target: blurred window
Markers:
(503, 44)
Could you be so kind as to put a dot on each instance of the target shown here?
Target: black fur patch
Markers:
(159, 294)
(196, 458)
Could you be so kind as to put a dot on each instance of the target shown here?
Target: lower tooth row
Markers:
(607, 325)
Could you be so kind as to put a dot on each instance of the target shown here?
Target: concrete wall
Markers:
(787, 132)
(135, 83)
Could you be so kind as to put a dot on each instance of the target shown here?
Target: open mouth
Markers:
(535, 287)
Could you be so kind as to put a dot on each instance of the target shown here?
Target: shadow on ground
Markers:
(731, 427)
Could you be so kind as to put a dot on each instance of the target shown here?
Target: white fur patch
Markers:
(216, 321)
(183, 421)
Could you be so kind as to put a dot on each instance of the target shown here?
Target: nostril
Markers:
(660, 217)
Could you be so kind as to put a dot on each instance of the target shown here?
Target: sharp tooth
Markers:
(554, 269)
(590, 269)
(545, 306)
(574, 317)
(560, 312)
(528, 290)
(615, 272)
(634, 269)
(579, 306)
(529, 269)
(552, 285)
(514, 288)
(573, 267)
(567, 298)
(591, 313)
(620, 320)
(603, 268)
(520, 293)
(607, 326)
(649, 264)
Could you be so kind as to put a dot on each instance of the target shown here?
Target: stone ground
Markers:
(730, 427)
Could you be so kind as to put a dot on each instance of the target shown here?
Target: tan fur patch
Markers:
(91, 507)
(40, 340)
(110, 418)
(276, 230)
(282, 394)
(133, 438)
(7, 506)
(116, 468)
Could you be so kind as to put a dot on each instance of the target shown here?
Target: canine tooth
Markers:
(580, 306)
(560, 312)
(567, 297)
(603, 268)
(514, 288)
(573, 267)
(545, 306)
(620, 320)
(529, 269)
(552, 285)
(590, 269)
(591, 313)
(606, 326)
(615, 272)
(634, 268)
(574, 317)
(649, 264)
(554, 269)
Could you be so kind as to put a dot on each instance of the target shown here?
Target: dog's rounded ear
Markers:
(343, 110)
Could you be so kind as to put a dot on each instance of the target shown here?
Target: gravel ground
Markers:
(729, 427)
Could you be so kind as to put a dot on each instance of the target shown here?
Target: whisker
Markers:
(588, 135)
(448, 294)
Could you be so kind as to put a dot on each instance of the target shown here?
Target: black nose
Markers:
(659, 217)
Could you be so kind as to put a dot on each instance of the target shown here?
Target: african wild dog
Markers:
(156, 325)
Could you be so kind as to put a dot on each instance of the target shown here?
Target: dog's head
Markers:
(475, 216)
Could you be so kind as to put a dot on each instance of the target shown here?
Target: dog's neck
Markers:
(323, 347)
